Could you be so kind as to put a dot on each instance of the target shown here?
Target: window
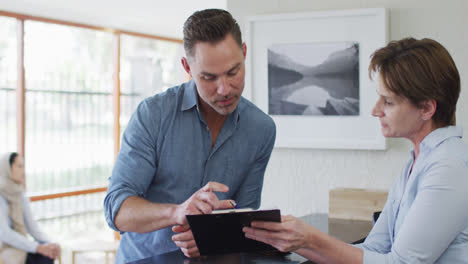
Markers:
(148, 66)
(69, 118)
(68, 107)
(8, 79)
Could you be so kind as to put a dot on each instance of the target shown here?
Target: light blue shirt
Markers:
(166, 156)
(425, 218)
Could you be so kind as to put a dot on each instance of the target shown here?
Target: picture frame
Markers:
(366, 29)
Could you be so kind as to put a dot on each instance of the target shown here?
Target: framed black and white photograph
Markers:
(309, 71)
(313, 79)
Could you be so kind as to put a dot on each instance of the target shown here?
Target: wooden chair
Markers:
(109, 248)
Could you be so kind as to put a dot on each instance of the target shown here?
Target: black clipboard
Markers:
(221, 233)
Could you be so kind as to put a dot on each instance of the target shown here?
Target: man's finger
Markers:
(215, 187)
(183, 236)
(225, 204)
(180, 228)
(191, 252)
(208, 197)
(186, 244)
(205, 207)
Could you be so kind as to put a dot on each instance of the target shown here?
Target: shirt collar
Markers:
(190, 96)
(441, 134)
(191, 99)
(237, 111)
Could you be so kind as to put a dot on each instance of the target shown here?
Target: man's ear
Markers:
(244, 49)
(185, 65)
(428, 109)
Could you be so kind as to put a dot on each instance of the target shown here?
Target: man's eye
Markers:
(208, 78)
(233, 72)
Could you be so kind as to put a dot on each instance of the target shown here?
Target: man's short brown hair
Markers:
(420, 70)
(209, 25)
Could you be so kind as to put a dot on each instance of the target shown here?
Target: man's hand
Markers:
(49, 250)
(185, 241)
(204, 201)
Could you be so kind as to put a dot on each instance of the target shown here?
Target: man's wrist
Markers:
(172, 213)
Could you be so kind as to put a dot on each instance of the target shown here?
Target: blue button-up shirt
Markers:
(166, 156)
(425, 219)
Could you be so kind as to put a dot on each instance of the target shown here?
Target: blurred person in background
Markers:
(16, 220)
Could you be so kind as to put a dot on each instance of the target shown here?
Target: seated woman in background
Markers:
(16, 220)
(425, 218)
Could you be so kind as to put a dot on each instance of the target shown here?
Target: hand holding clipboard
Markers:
(221, 232)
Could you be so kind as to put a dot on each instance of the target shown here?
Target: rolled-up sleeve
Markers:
(136, 164)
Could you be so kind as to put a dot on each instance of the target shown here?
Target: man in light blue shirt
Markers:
(183, 145)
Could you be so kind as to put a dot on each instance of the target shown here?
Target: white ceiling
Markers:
(158, 17)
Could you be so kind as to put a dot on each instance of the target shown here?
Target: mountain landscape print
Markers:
(314, 79)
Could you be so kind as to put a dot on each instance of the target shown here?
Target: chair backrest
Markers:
(355, 204)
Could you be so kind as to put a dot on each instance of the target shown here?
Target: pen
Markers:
(234, 205)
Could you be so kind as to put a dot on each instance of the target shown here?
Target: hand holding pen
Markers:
(234, 205)
(204, 201)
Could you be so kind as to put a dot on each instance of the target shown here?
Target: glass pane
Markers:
(8, 65)
(147, 67)
(72, 220)
(68, 107)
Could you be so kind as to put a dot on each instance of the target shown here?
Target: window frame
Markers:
(116, 92)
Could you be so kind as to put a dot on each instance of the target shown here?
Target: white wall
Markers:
(298, 180)
(157, 17)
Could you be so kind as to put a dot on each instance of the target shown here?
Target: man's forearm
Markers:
(141, 216)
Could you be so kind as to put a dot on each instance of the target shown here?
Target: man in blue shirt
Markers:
(183, 145)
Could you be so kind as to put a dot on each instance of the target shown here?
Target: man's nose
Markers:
(223, 86)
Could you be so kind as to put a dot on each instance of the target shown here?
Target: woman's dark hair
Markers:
(420, 70)
(13, 156)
